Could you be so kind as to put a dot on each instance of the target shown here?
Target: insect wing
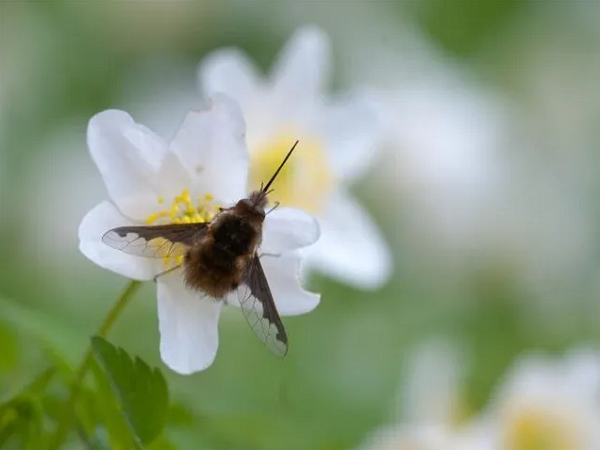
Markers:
(257, 304)
(155, 241)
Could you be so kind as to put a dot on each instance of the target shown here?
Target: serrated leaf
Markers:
(142, 392)
(88, 418)
(102, 414)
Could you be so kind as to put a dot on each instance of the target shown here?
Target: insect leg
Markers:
(272, 209)
(273, 255)
(167, 271)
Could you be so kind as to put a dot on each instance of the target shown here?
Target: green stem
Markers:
(113, 314)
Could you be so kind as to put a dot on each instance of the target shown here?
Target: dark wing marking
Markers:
(259, 308)
(155, 241)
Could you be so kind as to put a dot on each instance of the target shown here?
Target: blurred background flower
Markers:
(429, 402)
(486, 187)
(542, 403)
(545, 403)
(339, 140)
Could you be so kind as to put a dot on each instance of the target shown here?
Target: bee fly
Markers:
(219, 257)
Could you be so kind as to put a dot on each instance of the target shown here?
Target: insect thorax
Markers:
(235, 236)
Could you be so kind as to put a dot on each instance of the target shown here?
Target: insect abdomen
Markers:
(217, 276)
(216, 265)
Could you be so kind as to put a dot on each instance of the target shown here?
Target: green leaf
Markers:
(91, 440)
(100, 413)
(21, 420)
(95, 434)
(142, 392)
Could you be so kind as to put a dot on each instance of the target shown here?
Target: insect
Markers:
(219, 257)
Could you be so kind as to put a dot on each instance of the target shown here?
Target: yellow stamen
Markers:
(152, 218)
(531, 429)
(182, 210)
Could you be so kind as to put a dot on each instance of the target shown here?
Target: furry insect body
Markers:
(217, 263)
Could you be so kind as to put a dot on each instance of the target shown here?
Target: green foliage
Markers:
(20, 421)
(49, 332)
(141, 391)
(101, 420)
(10, 348)
(21, 418)
(461, 26)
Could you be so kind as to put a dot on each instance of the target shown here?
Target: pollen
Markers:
(182, 209)
(304, 182)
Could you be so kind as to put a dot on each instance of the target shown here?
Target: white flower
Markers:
(414, 437)
(204, 166)
(546, 405)
(432, 388)
(337, 140)
(429, 404)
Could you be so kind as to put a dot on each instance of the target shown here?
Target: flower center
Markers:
(305, 180)
(182, 210)
(541, 430)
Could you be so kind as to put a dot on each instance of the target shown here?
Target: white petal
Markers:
(188, 326)
(211, 146)
(229, 71)
(98, 221)
(352, 129)
(350, 247)
(131, 159)
(282, 273)
(287, 229)
(303, 67)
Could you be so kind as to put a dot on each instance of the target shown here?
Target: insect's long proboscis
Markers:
(268, 185)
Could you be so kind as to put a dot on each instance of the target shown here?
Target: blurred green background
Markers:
(497, 250)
